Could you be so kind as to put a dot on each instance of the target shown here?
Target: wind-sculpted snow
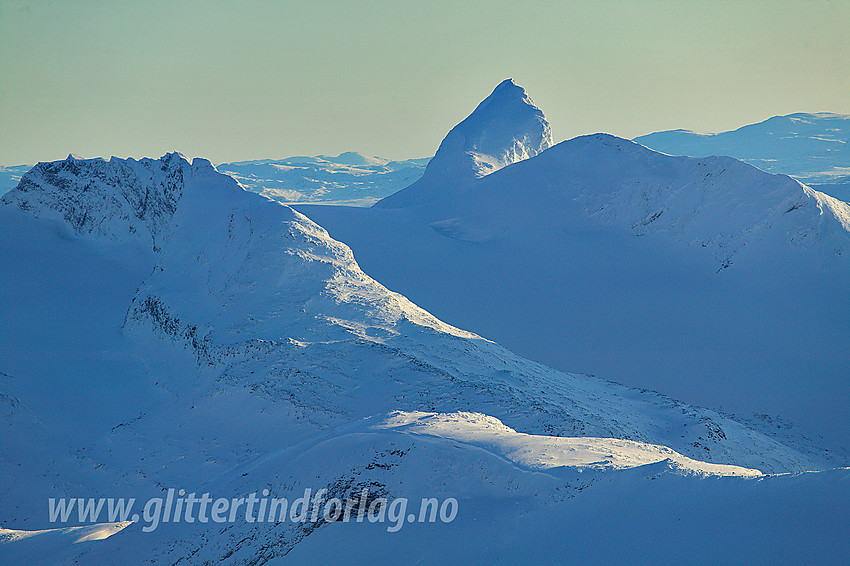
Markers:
(505, 128)
(246, 351)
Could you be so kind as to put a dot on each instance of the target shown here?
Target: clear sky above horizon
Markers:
(269, 79)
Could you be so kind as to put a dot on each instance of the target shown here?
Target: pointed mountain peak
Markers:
(174, 157)
(507, 85)
(504, 128)
(508, 90)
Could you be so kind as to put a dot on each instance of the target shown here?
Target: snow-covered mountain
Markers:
(706, 279)
(716, 204)
(349, 178)
(505, 128)
(164, 328)
(117, 200)
(813, 148)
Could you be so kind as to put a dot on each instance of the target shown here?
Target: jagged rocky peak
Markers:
(506, 127)
(116, 199)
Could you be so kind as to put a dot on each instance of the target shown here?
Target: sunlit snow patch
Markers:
(67, 535)
(543, 452)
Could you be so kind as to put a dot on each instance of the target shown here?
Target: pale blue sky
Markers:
(262, 79)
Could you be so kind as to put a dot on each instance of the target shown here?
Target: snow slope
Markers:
(632, 517)
(227, 344)
(349, 178)
(706, 279)
(810, 147)
(505, 128)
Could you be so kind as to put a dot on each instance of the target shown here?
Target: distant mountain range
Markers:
(349, 178)
(813, 148)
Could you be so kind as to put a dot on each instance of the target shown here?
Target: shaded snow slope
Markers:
(505, 511)
(505, 128)
(640, 516)
(248, 351)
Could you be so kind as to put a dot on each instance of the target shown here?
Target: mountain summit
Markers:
(505, 128)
